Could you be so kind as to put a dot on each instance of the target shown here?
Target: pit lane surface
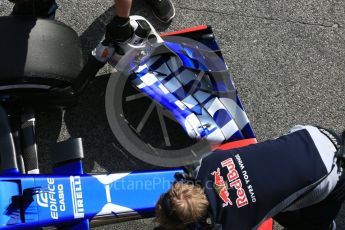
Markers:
(286, 58)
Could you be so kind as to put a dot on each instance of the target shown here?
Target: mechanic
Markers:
(297, 179)
(119, 27)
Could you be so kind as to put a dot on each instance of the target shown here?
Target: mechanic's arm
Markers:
(118, 30)
(123, 8)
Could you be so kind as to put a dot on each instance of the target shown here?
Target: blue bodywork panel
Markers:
(33, 201)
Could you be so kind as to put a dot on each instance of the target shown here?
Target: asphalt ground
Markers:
(286, 58)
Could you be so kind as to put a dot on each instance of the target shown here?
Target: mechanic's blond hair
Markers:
(189, 204)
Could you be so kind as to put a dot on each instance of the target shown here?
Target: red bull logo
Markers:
(221, 188)
(233, 182)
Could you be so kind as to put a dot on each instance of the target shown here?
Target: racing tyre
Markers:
(37, 55)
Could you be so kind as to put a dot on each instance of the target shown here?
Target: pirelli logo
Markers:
(77, 197)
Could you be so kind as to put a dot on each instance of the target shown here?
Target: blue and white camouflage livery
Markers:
(183, 81)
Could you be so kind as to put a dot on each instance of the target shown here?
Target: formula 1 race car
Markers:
(185, 80)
